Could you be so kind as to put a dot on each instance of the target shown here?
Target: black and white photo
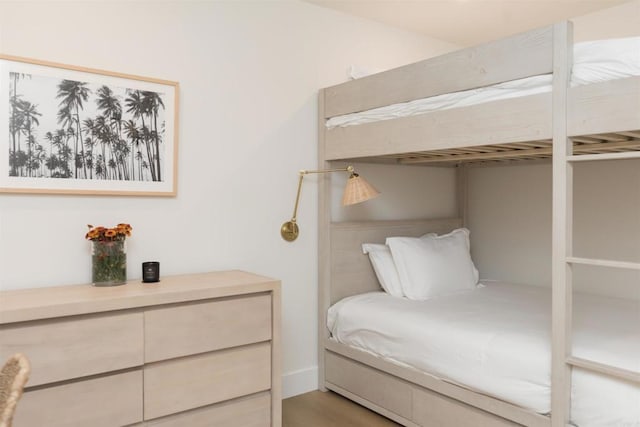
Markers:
(70, 129)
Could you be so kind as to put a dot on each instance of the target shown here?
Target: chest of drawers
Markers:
(196, 350)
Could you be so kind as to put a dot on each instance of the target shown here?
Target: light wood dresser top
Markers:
(44, 303)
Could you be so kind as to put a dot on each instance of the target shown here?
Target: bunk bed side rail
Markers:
(498, 122)
(351, 272)
(611, 106)
(523, 55)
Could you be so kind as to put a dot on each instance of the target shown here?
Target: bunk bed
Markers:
(566, 123)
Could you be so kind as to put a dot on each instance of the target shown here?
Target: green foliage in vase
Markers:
(109, 262)
(109, 255)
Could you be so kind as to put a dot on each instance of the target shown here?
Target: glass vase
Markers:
(108, 263)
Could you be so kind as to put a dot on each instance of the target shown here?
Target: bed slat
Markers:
(621, 145)
(511, 154)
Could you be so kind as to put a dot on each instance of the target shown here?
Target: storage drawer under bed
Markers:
(402, 398)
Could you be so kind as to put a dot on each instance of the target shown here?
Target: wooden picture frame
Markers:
(75, 130)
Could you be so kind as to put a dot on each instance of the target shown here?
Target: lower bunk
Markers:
(494, 342)
(478, 357)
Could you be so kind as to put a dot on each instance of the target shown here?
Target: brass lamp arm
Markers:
(347, 169)
(357, 190)
(295, 207)
(304, 172)
(289, 230)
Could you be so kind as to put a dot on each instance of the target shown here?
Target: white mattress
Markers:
(496, 340)
(593, 62)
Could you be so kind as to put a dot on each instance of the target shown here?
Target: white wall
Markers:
(407, 192)
(249, 73)
(510, 220)
(618, 21)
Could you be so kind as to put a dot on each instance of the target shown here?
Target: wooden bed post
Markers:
(562, 229)
(324, 242)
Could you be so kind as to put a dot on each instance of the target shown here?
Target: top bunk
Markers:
(490, 103)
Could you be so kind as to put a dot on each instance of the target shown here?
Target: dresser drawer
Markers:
(252, 411)
(115, 400)
(76, 346)
(192, 382)
(206, 326)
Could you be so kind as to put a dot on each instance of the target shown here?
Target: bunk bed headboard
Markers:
(351, 272)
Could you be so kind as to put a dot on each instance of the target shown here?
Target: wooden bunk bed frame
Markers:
(599, 121)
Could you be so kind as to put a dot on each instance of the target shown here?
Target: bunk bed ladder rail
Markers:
(579, 362)
(563, 260)
(562, 228)
(569, 261)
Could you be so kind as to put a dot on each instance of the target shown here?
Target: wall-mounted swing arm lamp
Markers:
(357, 190)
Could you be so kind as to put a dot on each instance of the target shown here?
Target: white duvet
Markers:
(496, 340)
(593, 62)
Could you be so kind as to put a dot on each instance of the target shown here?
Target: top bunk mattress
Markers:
(496, 340)
(593, 62)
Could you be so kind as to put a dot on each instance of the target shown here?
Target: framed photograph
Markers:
(74, 130)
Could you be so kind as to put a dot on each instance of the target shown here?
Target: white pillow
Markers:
(385, 269)
(433, 265)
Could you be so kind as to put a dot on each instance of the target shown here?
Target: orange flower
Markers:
(119, 232)
(124, 229)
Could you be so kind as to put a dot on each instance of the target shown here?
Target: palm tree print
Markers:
(67, 129)
(73, 95)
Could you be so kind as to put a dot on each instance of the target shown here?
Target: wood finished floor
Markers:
(319, 409)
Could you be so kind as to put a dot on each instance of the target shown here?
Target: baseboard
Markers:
(298, 382)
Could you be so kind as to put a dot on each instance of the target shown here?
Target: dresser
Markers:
(191, 350)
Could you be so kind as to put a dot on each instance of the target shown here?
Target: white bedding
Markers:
(496, 340)
(593, 62)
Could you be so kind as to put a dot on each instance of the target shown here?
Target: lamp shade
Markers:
(358, 190)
